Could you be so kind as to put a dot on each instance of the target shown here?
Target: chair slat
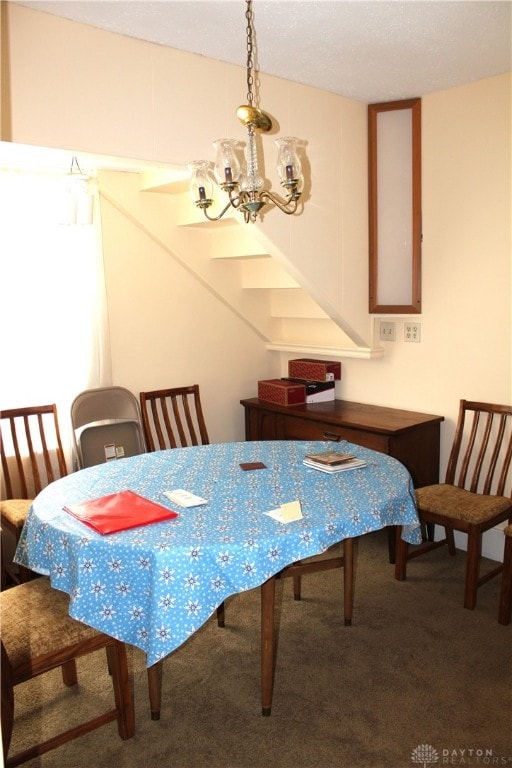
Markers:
(168, 425)
(482, 453)
(177, 419)
(156, 421)
(505, 469)
(466, 458)
(17, 455)
(33, 458)
(495, 450)
(5, 469)
(46, 452)
(188, 419)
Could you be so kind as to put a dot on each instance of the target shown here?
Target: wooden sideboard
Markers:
(412, 438)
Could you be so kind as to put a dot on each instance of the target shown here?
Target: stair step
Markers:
(173, 181)
(236, 243)
(313, 331)
(295, 303)
(265, 273)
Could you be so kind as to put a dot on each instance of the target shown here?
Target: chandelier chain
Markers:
(250, 62)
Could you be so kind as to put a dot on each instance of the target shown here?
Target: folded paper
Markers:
(287, 512)
(185, 498)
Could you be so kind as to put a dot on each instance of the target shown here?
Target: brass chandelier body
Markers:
(244, 187)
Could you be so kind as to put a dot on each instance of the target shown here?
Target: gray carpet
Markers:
(415, 675)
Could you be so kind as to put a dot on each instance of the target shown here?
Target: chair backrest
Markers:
(481, 454)
(173, 418)
(31, 450)
(106, 425)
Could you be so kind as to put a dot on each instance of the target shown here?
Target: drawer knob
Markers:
(332, 437)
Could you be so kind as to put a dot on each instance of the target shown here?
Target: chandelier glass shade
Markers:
(241, 181)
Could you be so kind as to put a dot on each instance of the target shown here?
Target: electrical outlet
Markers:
(412, 332)
(386, 331)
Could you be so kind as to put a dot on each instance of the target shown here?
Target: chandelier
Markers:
(242, 182)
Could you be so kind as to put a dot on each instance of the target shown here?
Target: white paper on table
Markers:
(286, 513)
(184, 498)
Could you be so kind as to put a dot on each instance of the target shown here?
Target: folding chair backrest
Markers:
(106, 425)
(481, 454)
(31, 450)
(173, 418)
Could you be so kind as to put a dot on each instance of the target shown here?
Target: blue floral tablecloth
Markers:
(155, 585)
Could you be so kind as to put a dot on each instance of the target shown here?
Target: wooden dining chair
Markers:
(32, 457)
(505, 608)
(38, 635)
(173, 418)
(475, 496)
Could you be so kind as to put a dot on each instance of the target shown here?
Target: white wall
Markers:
(76, 87)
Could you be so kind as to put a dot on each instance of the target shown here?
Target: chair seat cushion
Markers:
(15, 511)
(457, 503)
(35, 622)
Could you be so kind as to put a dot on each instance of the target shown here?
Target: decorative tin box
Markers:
(281, 392)
(314, 370)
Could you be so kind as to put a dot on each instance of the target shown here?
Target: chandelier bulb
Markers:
(227, 165)
(288, 162)
(201, 186)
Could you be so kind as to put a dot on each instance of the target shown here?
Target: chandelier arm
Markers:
(234, 202)
(281, 204)
(221, 214)
(237, 200)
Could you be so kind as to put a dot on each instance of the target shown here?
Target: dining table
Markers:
(155, 585)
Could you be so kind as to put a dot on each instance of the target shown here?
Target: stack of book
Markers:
(332, 461)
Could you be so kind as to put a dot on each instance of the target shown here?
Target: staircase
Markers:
(234, 262)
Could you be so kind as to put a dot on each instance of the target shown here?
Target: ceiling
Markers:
(376, 51)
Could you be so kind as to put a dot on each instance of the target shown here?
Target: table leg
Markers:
(348, 580)
(268, 595)
(402, 548)
(155, 689)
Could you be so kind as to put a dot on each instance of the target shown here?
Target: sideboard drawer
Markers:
(302, 429)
